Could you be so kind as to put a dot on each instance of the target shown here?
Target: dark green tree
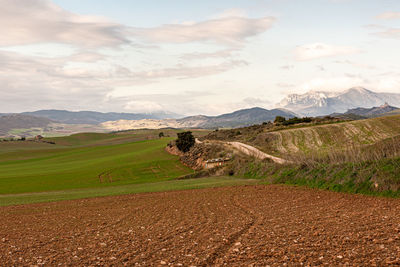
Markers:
(279, 120)
(161, 134)
(185, 141)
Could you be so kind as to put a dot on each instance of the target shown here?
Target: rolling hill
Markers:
(86, 161)
(240, 118)
(15, 121)
(311, 139)
(360, 113)
(92, 117)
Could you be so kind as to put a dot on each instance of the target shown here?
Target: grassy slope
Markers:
(325, 137)
(370, 163)
(77, 161)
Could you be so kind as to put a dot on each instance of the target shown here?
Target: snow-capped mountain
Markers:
(317, 103)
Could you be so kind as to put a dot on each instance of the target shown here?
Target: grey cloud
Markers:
(40, 21)
(36, 82)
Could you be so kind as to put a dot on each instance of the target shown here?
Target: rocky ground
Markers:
(235, 226)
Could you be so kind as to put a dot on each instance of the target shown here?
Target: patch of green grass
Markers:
(17, 199)
(371, 178)
(64, 168)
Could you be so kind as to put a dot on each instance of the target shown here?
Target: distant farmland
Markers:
(80, 162)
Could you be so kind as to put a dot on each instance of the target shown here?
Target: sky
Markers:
(191, 57)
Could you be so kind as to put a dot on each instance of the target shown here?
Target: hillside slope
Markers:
(383, 110)
(240, 118)
(92, 117)
(332, 136)
(310, 138)
(9, 122)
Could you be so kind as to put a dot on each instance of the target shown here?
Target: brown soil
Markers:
(236, 226)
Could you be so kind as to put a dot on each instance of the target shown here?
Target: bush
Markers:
(185, 141)
(161, 134)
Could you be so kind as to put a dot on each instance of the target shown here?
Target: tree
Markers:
(185, 141)
(279, 119)
(161, 134)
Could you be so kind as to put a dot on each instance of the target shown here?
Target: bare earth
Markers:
(252, 151)
(236, 226)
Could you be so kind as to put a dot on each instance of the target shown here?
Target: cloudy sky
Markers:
(191, 57)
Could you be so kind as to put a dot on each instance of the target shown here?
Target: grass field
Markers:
(94, 164)
(85, 161)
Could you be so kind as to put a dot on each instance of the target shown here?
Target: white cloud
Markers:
(29, 82)
(387, 82)
(41, 21)
(334, 83)
(321, 50)
(391, 33)
(186, 72)
(357, 65)
(389, 15)
(226, 31)
(224, 53)
(138, 106)
(230, 13)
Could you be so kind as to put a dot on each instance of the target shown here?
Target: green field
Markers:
(53, 167)
(94, 164)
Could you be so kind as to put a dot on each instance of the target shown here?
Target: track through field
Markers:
(236, 226)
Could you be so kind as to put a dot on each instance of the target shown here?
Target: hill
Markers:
(240, 118)
(92, 117)
(318, 103)
(310, 139)
(86, 161)
(360, 113)
(393, 112)
(360, 156)
(14, 121)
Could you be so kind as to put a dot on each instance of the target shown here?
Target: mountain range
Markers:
(354, 103)
(240, 118)
(67, 121)
(318, 103)
(17, 121)
(92, 117)
(363, 113)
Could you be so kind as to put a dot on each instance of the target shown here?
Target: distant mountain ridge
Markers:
(93, 117)
(20, 121)
(243, 117)
(317, 103)
(240, 118)
(360, 113)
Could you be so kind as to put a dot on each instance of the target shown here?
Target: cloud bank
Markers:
(225, 31)
(41, 21)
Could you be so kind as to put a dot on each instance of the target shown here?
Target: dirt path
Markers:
(254, 152)
(250, 151)
(235, 226)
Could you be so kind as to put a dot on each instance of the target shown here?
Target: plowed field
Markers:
(236, 226)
